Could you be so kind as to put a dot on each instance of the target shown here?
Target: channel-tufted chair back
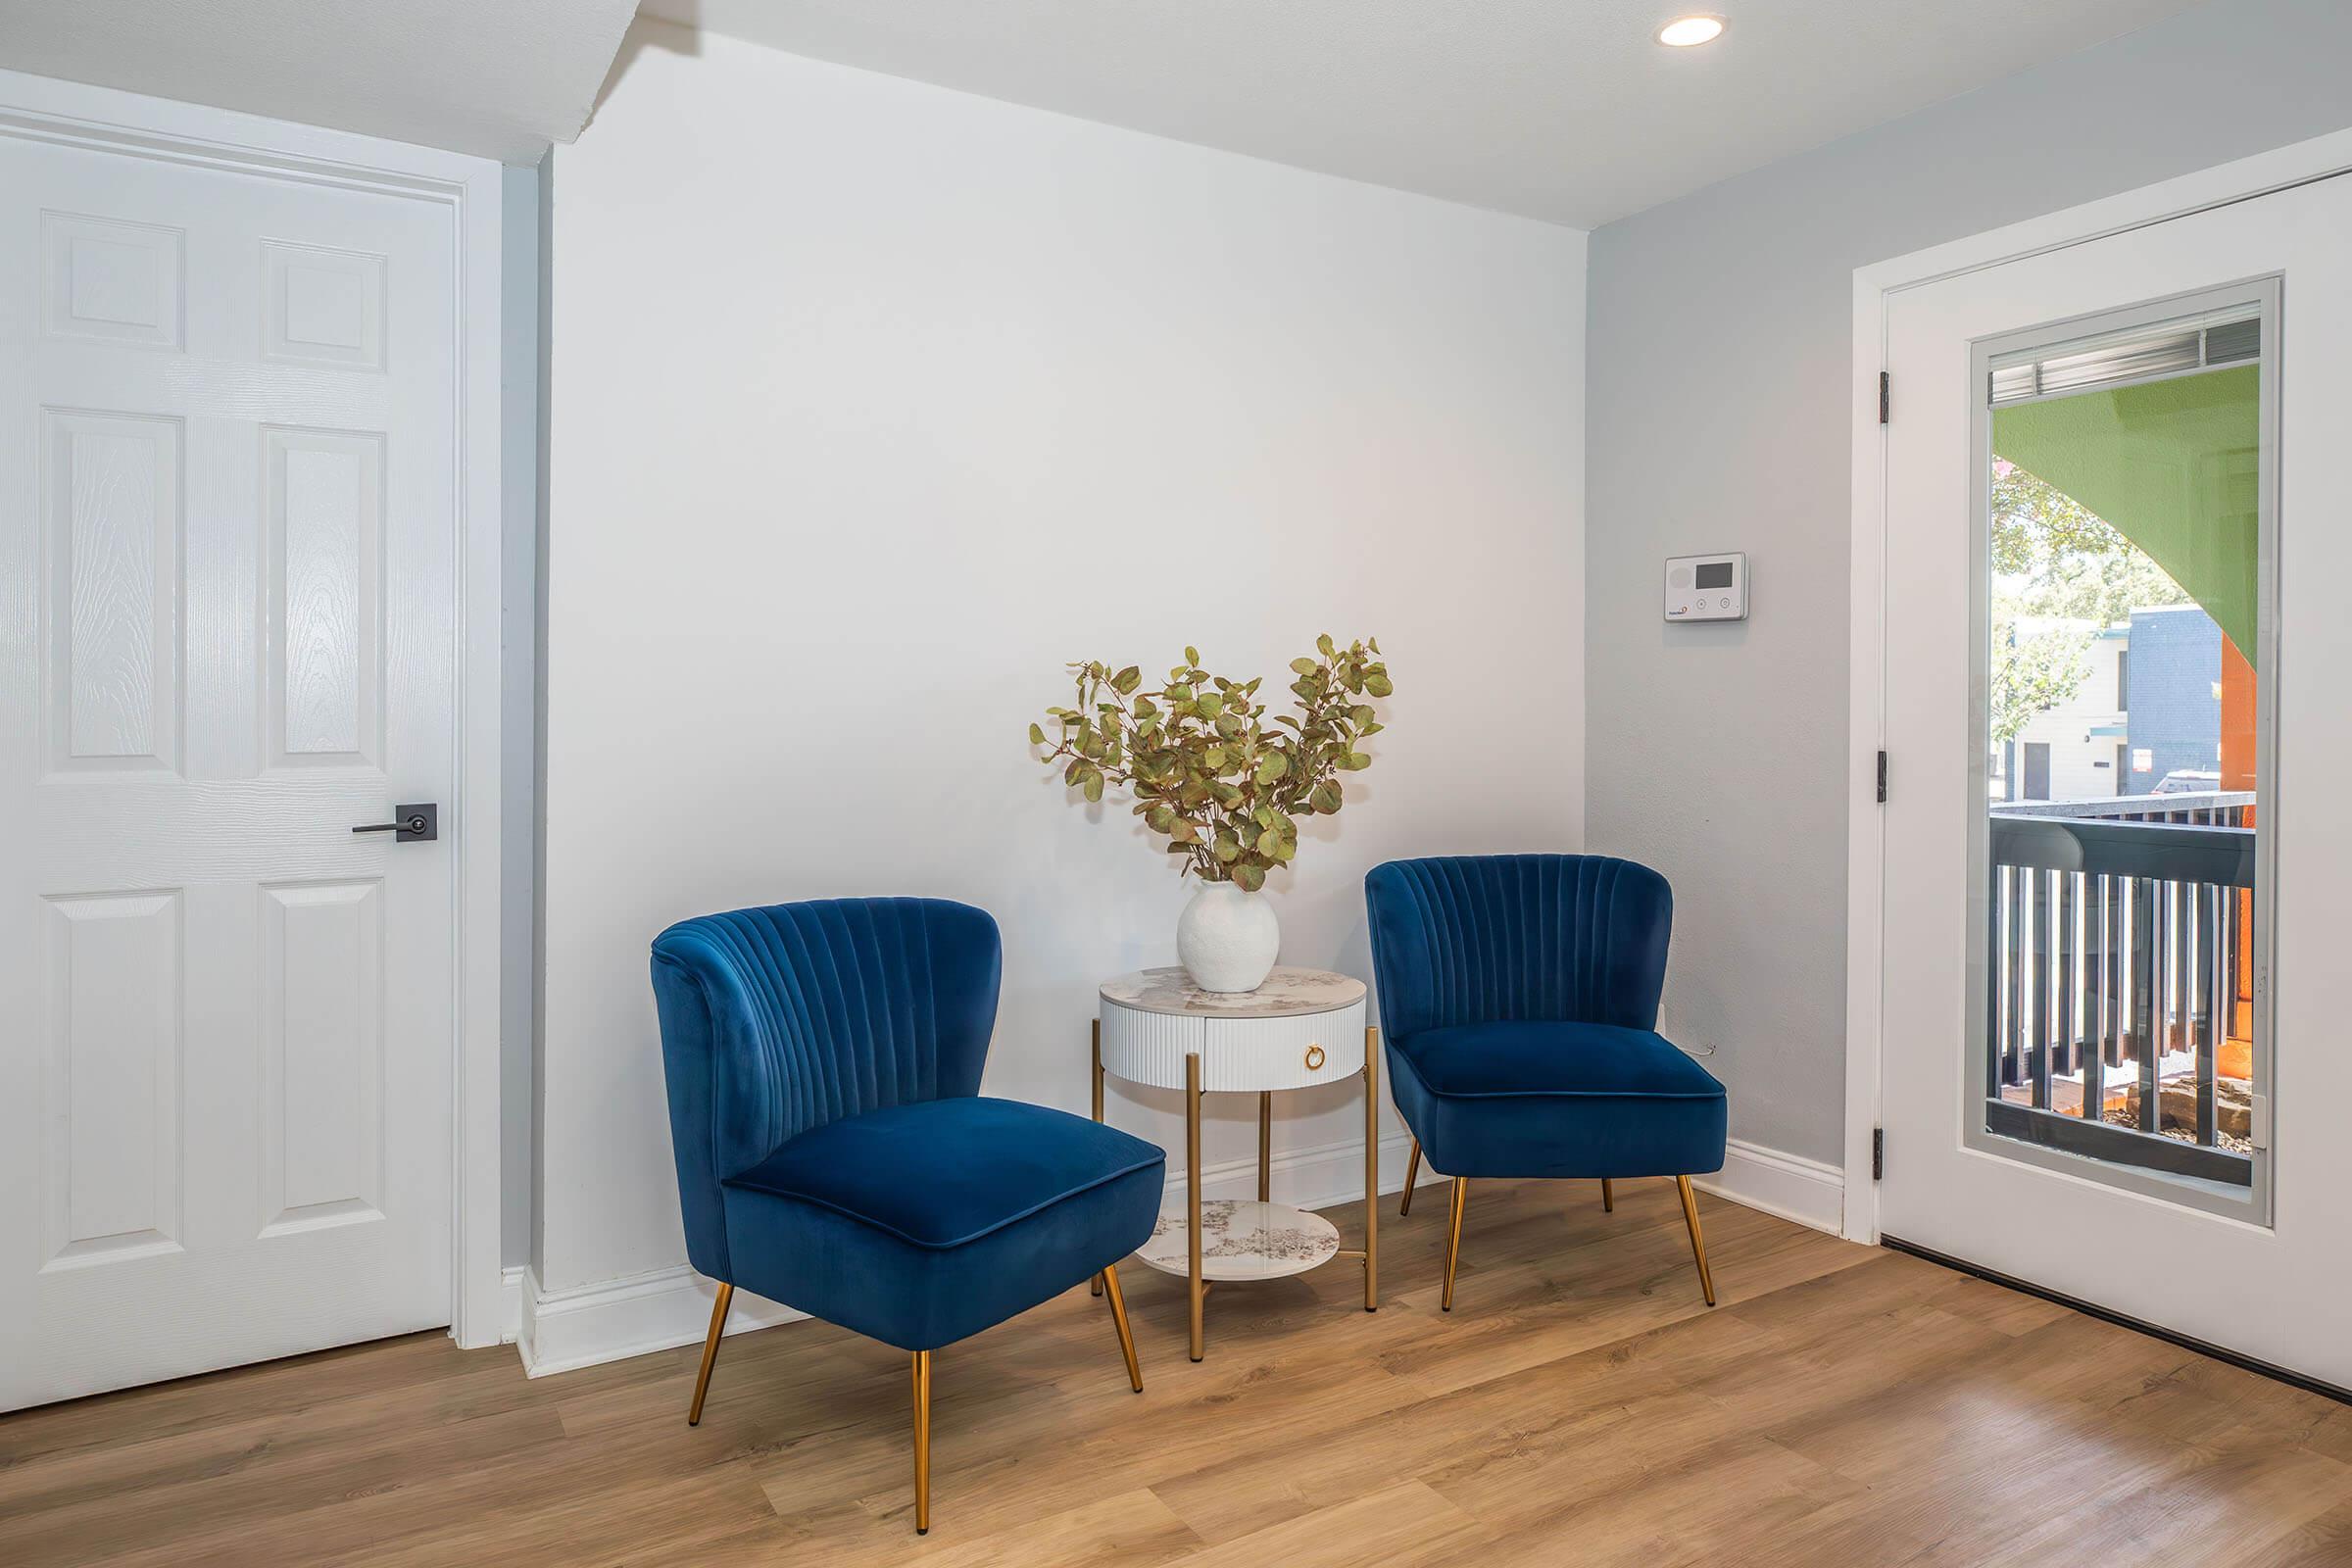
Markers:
(781, 1019)
(1518, 937)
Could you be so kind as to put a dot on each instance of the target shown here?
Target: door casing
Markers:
(2281, 168)
(40, 108)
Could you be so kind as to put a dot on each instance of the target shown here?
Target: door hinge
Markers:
(1882, 778)
(1885, 395)
(1878, 1153)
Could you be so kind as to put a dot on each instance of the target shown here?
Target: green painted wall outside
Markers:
(2173, 464)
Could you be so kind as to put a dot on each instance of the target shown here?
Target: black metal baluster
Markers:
(2094, 996)
(2114, 971)
(2209, 1034)
(2013, 1041)
(2143, 996)
(2037, 1040)
(2061, 973)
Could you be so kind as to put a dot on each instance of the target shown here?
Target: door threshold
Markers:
(2276, 1374)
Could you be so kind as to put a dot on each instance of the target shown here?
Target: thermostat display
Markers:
(1707, 587)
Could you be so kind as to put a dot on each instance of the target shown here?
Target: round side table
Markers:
(1302, 1027)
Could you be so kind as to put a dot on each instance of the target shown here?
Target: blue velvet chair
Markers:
(1519, 999)
(834, 1154)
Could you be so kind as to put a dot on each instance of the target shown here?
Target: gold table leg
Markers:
(1371, 1169)
(922, 1442)
(1096, 1284)
(1192, 1185)
(1265, 1145)
(702, 1379)
(1412, 1169)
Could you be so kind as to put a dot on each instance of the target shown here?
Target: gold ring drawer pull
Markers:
(1315, 1057)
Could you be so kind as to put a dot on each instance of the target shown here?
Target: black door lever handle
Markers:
(410, 824)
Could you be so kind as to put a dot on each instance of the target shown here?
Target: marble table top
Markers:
(1285, 993)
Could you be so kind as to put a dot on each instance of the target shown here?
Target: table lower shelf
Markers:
(1241, 1238)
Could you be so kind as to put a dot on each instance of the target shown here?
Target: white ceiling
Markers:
(1564, 110)
(496, 77)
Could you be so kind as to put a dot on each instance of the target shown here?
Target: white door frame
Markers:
(1865, 855)
(40, 108)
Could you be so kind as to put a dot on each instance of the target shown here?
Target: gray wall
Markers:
(1720, 348)
(518, 412)
(2176, 714)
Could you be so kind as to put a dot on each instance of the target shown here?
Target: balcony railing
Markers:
(2116, 929)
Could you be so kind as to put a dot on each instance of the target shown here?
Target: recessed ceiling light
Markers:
(1684, 32)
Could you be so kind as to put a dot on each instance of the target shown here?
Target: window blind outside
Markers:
(2204, 342)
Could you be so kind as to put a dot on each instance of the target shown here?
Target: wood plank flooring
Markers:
(1843, 1405)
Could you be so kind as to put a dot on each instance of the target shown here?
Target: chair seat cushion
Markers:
(1558, 1099)
(921, 1224)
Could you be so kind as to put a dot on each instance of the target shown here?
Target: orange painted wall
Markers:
(2236, 1056)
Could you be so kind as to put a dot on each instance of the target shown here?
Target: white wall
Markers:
(1722, 335)
(872, 402)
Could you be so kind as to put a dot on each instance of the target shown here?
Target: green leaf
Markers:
(1036, 735)
(1304, 667)
(1378, 685)
(1227, 847)
(1250, 877)
(1192, 656)
(1092, 784)
(1211, 704)
(1324, 642)
(1272, 766)
(1126, 680)
(1355, 761)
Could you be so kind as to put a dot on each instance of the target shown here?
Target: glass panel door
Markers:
(2124, 503)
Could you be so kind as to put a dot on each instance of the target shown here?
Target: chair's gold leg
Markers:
(1698, 1248)
(1096, 1284)
(922, 1442)
(1453, 1240)
(1118, 1316)
(1608, 1195)
(1412, 1169)
(702, 1379)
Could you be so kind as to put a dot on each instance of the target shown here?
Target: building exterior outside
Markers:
(2175, 719)
(2149, 708)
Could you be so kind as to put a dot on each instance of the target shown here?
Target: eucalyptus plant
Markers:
(1209, 770)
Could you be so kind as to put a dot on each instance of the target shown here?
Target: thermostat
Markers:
(1707, 587)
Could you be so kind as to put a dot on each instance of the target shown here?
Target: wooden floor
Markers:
(1843, 1406)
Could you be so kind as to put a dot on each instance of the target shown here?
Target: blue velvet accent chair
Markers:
(834, 1151)
(1519, 999)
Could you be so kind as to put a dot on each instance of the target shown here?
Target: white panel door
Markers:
(228, 611)
(2252, 1259)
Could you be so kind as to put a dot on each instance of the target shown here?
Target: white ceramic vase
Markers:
(1228, 939)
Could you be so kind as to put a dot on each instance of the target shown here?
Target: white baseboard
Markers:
(559, 1331)
(510, 1303)
(1789, 1186)
(563, 1330)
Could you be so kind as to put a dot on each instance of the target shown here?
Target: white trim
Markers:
(563, 1331)
(512, 1286)
(40, 108)
(2299, 163)
(1790, 1187)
